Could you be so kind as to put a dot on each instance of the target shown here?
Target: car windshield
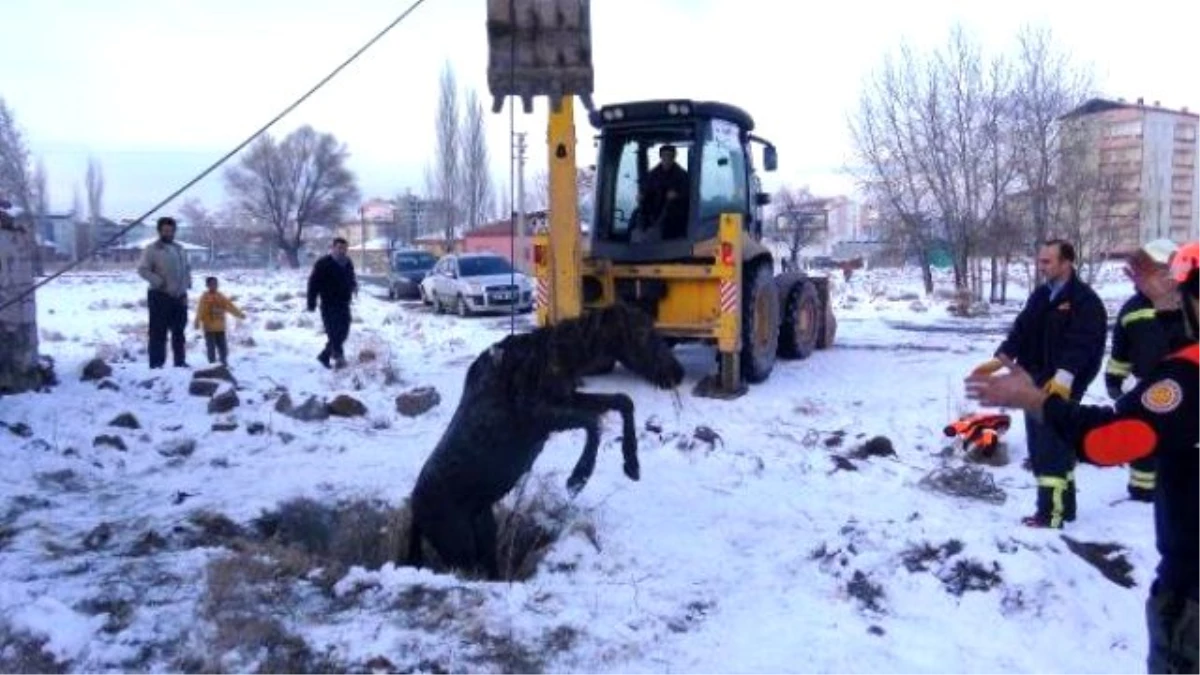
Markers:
(413, 262)
(483, 265)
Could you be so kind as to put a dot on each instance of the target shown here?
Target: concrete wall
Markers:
(18, 323)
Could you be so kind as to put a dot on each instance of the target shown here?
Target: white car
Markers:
(470, 283)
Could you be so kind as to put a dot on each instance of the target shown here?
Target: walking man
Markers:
(1058, 338)
(165, 267)
(333, 281)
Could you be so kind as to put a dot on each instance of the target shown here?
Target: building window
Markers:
(1185, 132)
(1183, 184)
(1124, 129)
(1181, 209)
(1184, 158)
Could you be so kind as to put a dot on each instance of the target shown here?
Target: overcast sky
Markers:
(158, 89)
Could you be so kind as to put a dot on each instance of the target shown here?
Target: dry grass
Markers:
(251, 594)
(245, 599)
(21, 652)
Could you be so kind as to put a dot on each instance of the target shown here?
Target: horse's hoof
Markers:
(575, 486)
(633, 471)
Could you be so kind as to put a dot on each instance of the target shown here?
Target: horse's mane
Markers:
(549, 361)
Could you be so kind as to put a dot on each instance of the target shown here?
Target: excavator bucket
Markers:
(540, 48)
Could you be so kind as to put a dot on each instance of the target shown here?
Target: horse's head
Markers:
(628, 335)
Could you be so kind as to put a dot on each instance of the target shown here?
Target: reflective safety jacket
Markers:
(1158, 416)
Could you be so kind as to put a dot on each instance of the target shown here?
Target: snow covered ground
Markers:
(772, 549)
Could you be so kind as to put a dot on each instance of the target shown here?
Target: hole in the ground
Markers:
(303, 534)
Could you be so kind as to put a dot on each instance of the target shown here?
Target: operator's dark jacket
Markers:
(658, 182)
(1068, 333)
(332, 282)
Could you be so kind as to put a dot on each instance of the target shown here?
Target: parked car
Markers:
(408, 270)
(470, 283)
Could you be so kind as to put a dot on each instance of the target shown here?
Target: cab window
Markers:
(722, 173)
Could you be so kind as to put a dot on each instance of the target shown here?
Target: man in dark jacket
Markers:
(333, 281)
(1139, 342)
(1157, 417)
(664, 196)
(1059, 339)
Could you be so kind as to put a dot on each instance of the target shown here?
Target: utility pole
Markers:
(520, 205)
(362, 226)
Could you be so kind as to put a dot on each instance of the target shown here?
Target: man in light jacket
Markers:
(165, 266)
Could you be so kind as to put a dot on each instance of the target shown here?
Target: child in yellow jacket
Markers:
(211, 316)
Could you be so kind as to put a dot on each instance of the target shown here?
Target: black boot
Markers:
(1141, 494)
(1070, 505)
(1051, 503)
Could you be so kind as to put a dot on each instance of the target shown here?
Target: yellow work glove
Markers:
(987, 367)
(1060, 385)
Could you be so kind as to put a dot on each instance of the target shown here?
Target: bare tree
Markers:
(445, 178)
(201, 224)
(95, 190)
(41, 193)
(888, 139)
(16, 182)
(479, 197)
(537, 196)
(967, 159)
(298, 182)
(800, 218)
(1047, 85)
(934, 136)
(41, 208)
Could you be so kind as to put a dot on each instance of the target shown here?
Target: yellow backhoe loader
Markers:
(685, 249)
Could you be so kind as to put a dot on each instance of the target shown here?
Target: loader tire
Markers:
(802, 321)
(760, 323)
(829, 330)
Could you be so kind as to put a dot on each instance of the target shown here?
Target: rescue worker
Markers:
(1058, 337)
(1139, 342)
(663, 197)
(1157, 417)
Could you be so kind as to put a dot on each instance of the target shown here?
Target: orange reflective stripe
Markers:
(1119, 442)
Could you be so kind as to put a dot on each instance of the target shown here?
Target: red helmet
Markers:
(1186, 259)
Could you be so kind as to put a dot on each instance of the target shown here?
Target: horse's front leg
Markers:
(565, 418)
(602, 403)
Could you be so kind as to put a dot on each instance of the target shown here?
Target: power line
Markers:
(217, 164)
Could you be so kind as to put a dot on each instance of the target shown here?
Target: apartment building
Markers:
(1147, 162)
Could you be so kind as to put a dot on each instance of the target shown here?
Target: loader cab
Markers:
(712, 143)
